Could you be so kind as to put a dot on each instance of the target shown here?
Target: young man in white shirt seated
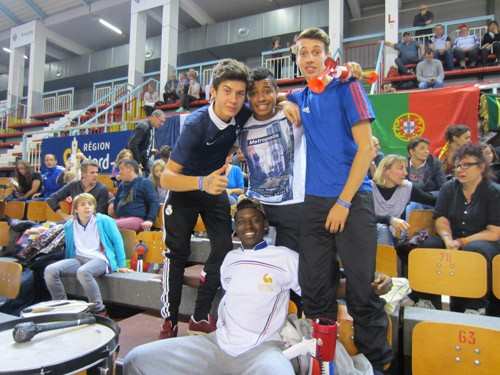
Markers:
(257, 279)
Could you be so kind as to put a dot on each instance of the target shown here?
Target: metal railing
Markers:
(58, 100)
(379, 69)
(102, 89)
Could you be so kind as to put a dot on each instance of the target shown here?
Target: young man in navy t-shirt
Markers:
(338, 213)
(195, 176)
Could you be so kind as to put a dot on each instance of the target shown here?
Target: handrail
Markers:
(72, 89)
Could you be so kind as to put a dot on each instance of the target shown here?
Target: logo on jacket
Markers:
(266, 284)
(169, 210)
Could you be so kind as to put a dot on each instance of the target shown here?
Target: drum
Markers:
(63, 351)
(55, 307)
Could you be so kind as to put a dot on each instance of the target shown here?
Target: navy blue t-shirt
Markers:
(328, 119)
(206, 140)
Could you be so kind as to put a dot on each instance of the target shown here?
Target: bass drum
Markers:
(79, 350)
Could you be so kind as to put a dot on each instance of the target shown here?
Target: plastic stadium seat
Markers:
(53, 216)
(14, 209)
(496, 276)
(159, 218)
(448, 272)
(4, 233)
(199, 226)
(37, 211)
(156, 246)
(108, 182)
(129, 241)
(419, 220)
(387, 260)
(10, 278)
(454, 349)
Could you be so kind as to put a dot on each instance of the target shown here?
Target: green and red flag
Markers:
(426, 113)
(490, 112)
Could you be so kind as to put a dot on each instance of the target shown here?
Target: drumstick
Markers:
(41, 309)
(24, 332)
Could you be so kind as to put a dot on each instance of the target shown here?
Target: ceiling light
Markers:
(8, 50)
(110, 26)
(58, 74)
(148, 54)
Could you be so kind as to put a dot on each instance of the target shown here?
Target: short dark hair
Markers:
(492, 22)
(406, 33)
(250, 203)
(474, 151)
(317, 34)
(131, 163)
(165, 152)
(261, 74)
(492, 149)
(229, 70)
(414, 142)
(455, 131)
(428, 51)
(88, 163)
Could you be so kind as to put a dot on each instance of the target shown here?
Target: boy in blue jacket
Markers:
(94, 247)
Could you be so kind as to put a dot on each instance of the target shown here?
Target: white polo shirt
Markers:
(255, 304)
(87, 241)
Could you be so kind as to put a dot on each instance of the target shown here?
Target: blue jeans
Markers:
(447, 56)
(427, 85)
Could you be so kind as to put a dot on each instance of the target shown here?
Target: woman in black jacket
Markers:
(491, 43)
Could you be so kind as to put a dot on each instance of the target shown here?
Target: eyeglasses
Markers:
(465, 166)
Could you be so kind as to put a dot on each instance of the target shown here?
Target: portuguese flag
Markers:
(426, 113)
(490, 112)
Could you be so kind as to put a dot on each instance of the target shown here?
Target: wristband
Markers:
(200, 183)
(344, 203)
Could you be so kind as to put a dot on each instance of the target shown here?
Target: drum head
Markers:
(61, 351)
(55, 307)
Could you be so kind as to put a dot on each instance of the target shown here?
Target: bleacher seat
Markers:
(387, 260)
(199, 226)
(53, 216)
(454, 349)
(156, 246)
(129, 241)
(159, 218)
(10, 278)
(37, 211)
(420, 220)
(448, 272)
(108, 182)
(15, 209)
(496, 276)
(4, 233)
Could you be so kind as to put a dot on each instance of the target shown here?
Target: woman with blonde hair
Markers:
(391, 194)
(94, 247)
(157, 170)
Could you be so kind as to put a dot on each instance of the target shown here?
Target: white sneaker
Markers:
(481, 311)
(425, 304)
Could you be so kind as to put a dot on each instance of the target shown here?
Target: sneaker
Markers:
(425, 304)
(201, 327)
(167, 330)
(480, 311)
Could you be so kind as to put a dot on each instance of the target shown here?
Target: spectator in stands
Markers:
(150, 99)
(467, 214)
(277, 163)
(26, 182)
(338, 217)
(182, 85)
(379, 155)
(424, 17)
(430, 73)
(165, 152)
(424, 171)
(136, 202)
(466, 45)
(72, 169)
(455, 136)
(170, 93)
(155, 177)
(275, 46)
(491, 44)
(141, 143)
(409, 52)
(388, 88)
(87, 184)
(293, 54)
(51, 175)
(94, 247)
(122, 155)
(235, 181)
(491, 158)
(193, 91)
(391, 194)
(440, 44)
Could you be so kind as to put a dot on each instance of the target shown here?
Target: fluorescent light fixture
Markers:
(110, 26)
(8, 50)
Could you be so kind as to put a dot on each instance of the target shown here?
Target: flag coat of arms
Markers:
(426, 113)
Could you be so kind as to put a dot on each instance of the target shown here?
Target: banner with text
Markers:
(102, 148)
